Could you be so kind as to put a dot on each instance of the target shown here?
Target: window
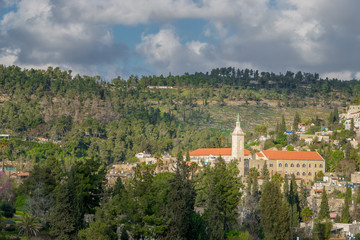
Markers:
(271, 165)
(320, 165)
(304, 165)
(280, 165)
(304, 174)
(298, 165)
(297, 174)
(292, 165)
(309, 173)
(286, 165)
(315, 165)
(309, 165)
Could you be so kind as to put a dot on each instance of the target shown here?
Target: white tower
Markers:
(238, 145)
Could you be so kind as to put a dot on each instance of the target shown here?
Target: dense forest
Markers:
(67, 131)
(114, 120)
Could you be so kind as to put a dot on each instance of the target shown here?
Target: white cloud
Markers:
(42, 39)
(317, 35)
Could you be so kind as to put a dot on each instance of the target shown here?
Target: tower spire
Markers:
(238, 118)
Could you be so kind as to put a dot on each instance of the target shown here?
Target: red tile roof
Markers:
(259, 154)
(214, 152)
(291, 155)
(25, 174)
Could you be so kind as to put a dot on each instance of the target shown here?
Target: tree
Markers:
(30, 225)
(324, 212)
(265, 172)
(181, 200)
(296, 122)
(224, 197)
(275, 217)
(306, 215)
(286, 187)
(345, 213)
(4, 143)
(66, 218)
(303, 195)
(322, 229)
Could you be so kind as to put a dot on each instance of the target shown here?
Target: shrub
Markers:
(7, 209)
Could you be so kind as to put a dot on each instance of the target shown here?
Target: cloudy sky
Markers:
(144, 37)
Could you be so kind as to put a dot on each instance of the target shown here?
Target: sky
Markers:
(114, 38)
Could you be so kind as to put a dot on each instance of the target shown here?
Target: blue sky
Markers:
(114, 38)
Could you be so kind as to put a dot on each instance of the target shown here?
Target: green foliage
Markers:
(238, 235)
(322, 229)
(7, 209)
(180, 205)
(289, 148)
(66, 218)
(306, 214)
(275, 216)
(324, 212)
(30, 225)
(224, 196)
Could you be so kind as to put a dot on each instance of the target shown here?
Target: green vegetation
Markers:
(68, 130)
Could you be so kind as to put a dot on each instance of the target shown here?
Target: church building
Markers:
(303, 164)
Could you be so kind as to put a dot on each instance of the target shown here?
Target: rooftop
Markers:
(291, 155)
(214, 152)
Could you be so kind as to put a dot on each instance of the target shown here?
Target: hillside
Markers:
(114, 120)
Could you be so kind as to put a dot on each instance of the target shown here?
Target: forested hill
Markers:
(113, 120)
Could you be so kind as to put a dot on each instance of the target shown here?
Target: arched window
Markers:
(309, 165)
(298, 165)
(297, 174)
(315, 165)
(271, 165)
(309, 173)
(320, 165)
(303, 173)
(286, 165)
(280, 165)
(292, 165)
(304, 165)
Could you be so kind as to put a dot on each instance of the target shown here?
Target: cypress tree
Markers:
(303, 195)
(324, 206)
(286, 188)
(295, 220)
(275, 217)
(255, 184)
(297, 120)
(265, 172)
(345, 213)
(293, 193)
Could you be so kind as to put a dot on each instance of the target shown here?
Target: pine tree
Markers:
(66, 219)
(225, 185)
(181, 200)
(324, 206)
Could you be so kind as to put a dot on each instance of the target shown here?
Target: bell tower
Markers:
(238, 145)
